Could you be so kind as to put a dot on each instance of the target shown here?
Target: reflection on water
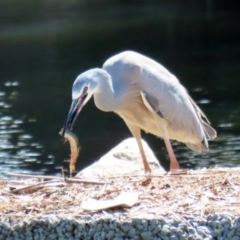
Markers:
(18, 151)
(224, 151)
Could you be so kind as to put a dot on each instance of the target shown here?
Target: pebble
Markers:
(220, 227)
(146, 235)
(110, 235)
(126, 228)
(235, 238)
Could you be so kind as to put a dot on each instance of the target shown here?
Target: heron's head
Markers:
(83, 88)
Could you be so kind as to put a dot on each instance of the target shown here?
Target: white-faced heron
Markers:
(148, 97)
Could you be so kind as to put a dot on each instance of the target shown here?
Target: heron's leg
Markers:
(173, 161)
(136, 132)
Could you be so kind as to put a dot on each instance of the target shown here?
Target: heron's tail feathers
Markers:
(209, 131)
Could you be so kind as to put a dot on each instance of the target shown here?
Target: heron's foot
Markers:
(147, 169)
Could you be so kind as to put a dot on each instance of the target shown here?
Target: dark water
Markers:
(43, 50)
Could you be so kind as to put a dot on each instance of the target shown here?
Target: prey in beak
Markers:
(75, 109)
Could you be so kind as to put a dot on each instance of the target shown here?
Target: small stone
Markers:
(145, 224)
(41, 230)
(218, 231)
(183, 237)
(34, 223)
(69, 228)
(156, 230)
(91, 232)
(132, 232)
(165, 231)
(179, 232)
(136, 221)
(197, 238)
(96, 235)
(192, 231)
(182, 226)
(68, 234)
(78, 235)
(118, 234)
(139, 227)
(111, 226)
(28, 232)
(173, 237)
(153, 222)
(227, 227)
(36, 237)
(236, 238)
(99, 227)
(216, 224)
(125, 228)
(53, 236)
(146, 235)
(230, 234)
(62, 224)
(172, 229)
(103, 235)
(166, 238)
(80, 228)
(110, 235)
(61, 238)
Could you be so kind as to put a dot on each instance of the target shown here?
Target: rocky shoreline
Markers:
(119, 227)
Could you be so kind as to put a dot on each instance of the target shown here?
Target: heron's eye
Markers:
(85, 89)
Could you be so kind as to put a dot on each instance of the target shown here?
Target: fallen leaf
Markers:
(125, 199)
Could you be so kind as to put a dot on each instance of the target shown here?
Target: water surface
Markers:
(40, 56)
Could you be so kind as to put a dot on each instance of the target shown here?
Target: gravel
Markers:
(219, 227)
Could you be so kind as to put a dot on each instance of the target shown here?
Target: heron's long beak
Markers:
(75, 109)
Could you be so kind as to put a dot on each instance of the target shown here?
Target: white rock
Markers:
(124, 159)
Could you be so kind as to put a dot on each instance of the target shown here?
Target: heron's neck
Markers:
(105, 97)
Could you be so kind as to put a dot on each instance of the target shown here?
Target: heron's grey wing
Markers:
(151, 103)
(171, 108)
(170, 100)
(190, 131)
